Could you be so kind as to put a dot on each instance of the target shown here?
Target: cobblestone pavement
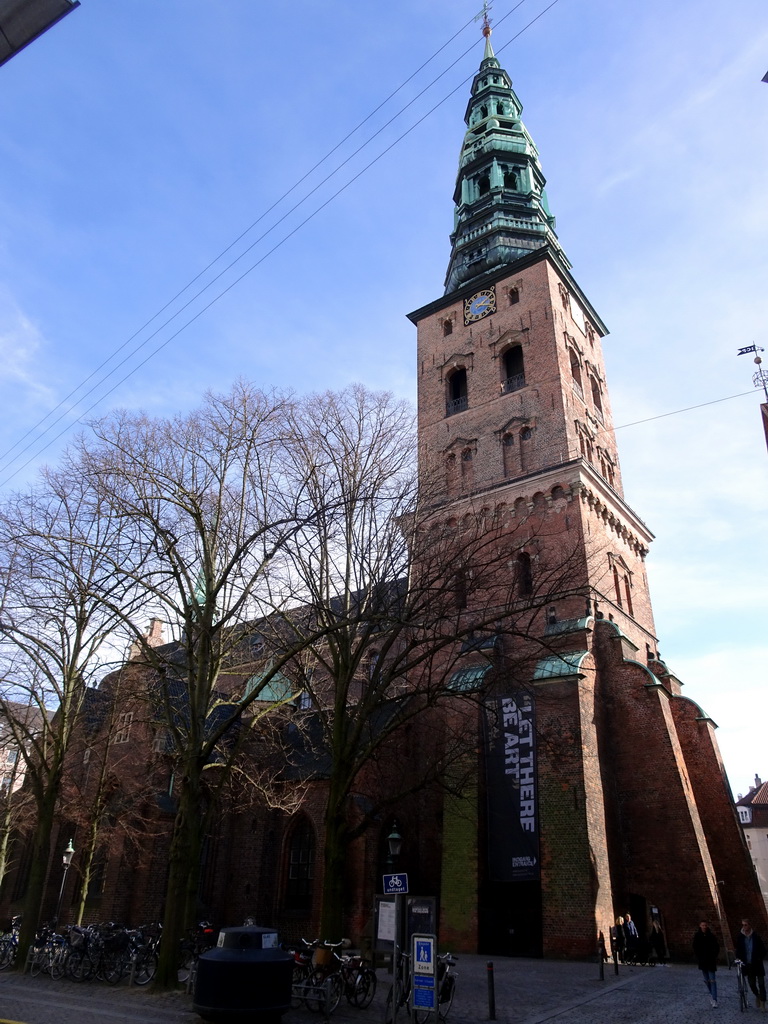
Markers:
(527, 992)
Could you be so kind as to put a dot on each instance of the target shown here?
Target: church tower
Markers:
(515, 427)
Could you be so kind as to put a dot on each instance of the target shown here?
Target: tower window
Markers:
(526, 434)
(483, 185)
(499, 108)
(301, 868)
(510, 178)
(576, 373)
(513, 370)
(597, 398)
(524, 574)
(447, 328)
(457, 392)
(514, 296)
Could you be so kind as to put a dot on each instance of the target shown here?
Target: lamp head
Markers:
(395, 841)
(66, 857)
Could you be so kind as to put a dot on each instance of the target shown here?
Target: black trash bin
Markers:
(246, 977)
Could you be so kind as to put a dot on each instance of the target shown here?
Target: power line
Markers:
(253, 266)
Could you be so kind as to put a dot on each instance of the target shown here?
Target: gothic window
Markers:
(483, 111)
(524, 574)
(447, 328)
(564, 296)
(451, 475)
(508, 453)
(576, 372)
(499, 108)
(514, 296)
(457, 392)
(123, 732)
(596, 397)
(483, 185)
(467, 468)
(460, 589)
(301, 867)
(617, 587)
(628, 594)
(513, 370)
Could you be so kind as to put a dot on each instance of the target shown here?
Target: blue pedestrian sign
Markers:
(395, 884)
(424, 992)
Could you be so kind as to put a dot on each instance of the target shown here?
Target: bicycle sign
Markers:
(395, 884)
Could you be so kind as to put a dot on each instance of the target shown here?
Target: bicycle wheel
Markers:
(186, 966)
(365, 988)
(324, 991)
(447, 992)
(79, 967)
(743, 991)
(36, 963)
(112, 969)
(145, 967)
(389, 1011)
(58, 962)
(7, 954)
(300, 979)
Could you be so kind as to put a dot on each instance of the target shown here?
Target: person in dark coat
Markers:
(657, 944)
(705, 949)
(750, 949)
(632, 939)
(618, 941)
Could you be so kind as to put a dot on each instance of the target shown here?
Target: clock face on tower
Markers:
(479, 305)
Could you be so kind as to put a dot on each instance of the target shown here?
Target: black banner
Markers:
(513, 825)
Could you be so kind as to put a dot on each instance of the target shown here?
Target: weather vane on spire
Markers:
(486, 20)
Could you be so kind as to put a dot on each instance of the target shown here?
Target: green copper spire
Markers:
(501, 207)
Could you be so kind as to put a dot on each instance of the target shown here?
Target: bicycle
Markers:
(9, 945)
(446, 984)
(325, 985)
(741, 984)
(359, 981)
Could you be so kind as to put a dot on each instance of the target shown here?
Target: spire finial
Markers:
(486, 20)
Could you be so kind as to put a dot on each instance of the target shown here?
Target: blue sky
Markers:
(139, 140)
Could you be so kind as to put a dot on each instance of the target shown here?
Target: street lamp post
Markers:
(66, 860)
(395, 844)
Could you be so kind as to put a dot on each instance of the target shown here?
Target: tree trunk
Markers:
(41, 852)
(183, 881)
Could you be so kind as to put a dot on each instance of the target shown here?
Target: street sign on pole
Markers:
(395, 884)
(423, 972)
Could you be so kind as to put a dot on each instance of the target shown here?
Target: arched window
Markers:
(467, 468)
(576, 372)
(514, 296)
(596, 397)
(483, 185)
(484, 111)
(301, 867)
(508, 453)
(447, 328)
(457, 392)
(510, 178)
(513, 370)
(524, 574)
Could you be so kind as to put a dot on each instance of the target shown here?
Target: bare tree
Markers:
(206, 500)
(400, 592)
(57, 628)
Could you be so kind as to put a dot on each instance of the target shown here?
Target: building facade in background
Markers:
(753, 815)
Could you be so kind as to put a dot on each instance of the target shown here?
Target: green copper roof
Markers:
(557, 666)
(501, 210)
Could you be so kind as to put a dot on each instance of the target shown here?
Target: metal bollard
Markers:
(491, 991)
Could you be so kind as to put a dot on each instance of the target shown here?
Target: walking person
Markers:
(618, 939)
(658, 944)
(706, 948)
(750, 949)
(632, 937)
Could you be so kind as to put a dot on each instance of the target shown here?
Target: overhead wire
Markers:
(246, 231)
(141, 345)
(253, 266)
